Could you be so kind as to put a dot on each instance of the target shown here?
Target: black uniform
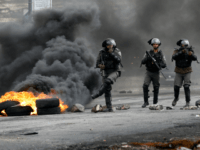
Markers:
(183, 72)
(153, 74)
(112, 71)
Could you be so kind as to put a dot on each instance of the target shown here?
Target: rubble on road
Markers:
(189, 108)
(156, 107)
(100, 108)
(78, 108)
(197, 103)
(169, 108)
(96, 108)
(123, 107)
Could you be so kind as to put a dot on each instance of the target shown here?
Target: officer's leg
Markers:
(106, 84)
(177, 84)
(156, 85)
(108, 97)
(186, 85)
(147, 81)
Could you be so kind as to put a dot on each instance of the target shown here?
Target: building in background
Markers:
(18, 10)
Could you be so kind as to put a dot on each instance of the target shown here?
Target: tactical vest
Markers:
(158, 57)
(184, 61)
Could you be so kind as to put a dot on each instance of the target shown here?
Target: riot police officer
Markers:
(183, 57)
(109, 61)
(153, 72)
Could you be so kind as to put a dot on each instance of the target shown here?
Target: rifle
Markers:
(102, 70)
(187, 50)
(154, 61)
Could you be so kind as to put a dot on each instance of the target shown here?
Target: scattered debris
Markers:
(156, 107)
(49, 111)
(123, 107)
(31, 133)
(19, 111)
(183, 148)
(129, 92)
(47, 103)
(96, 108)
(78, 108)
(100, 108)
(175, 144)
(169, 108)
(122, 91)
(189, 108)
(197, 103)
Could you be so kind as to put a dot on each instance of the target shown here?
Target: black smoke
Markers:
(133, 22)
(47, 53)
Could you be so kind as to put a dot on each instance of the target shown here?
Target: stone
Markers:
(96, 108)
(197, 103)
(189, 108)
(123, 107)
(156, 107)
(169, 108)
(78, 108)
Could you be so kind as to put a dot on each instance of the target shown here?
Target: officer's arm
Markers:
(115, 57)
(163, 64)
(176, 54)
(98, 62)
(144, 60)
(193, 57)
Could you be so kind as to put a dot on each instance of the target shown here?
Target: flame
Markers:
(28, 99)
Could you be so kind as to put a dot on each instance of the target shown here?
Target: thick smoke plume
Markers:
(133, 22)
(47, 53)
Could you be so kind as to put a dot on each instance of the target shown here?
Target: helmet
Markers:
(154, 41)
(184, 42)
(109, 41)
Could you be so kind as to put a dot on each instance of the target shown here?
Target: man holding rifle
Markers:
(109, 61)
(154, 61)
(183, 57)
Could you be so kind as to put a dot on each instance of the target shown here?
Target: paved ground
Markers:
(61, 131)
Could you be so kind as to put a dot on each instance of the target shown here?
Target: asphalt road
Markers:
(61, 131)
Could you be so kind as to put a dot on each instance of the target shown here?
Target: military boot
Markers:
(176, 95)
(108, 104)
(187, 95)
(146, 96)
(156, 91)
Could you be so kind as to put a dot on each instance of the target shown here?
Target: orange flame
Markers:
(28, 99)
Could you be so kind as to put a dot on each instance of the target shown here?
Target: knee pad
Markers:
(145, 88)
(156, 88)
(176, 87)
(108, 81)
(186, 86)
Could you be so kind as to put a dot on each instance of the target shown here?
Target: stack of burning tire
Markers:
(12, 108)
(48, 106)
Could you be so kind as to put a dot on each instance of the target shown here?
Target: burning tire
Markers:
(47, 103)
(7, 104)
(48, 111)
(19, 111)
